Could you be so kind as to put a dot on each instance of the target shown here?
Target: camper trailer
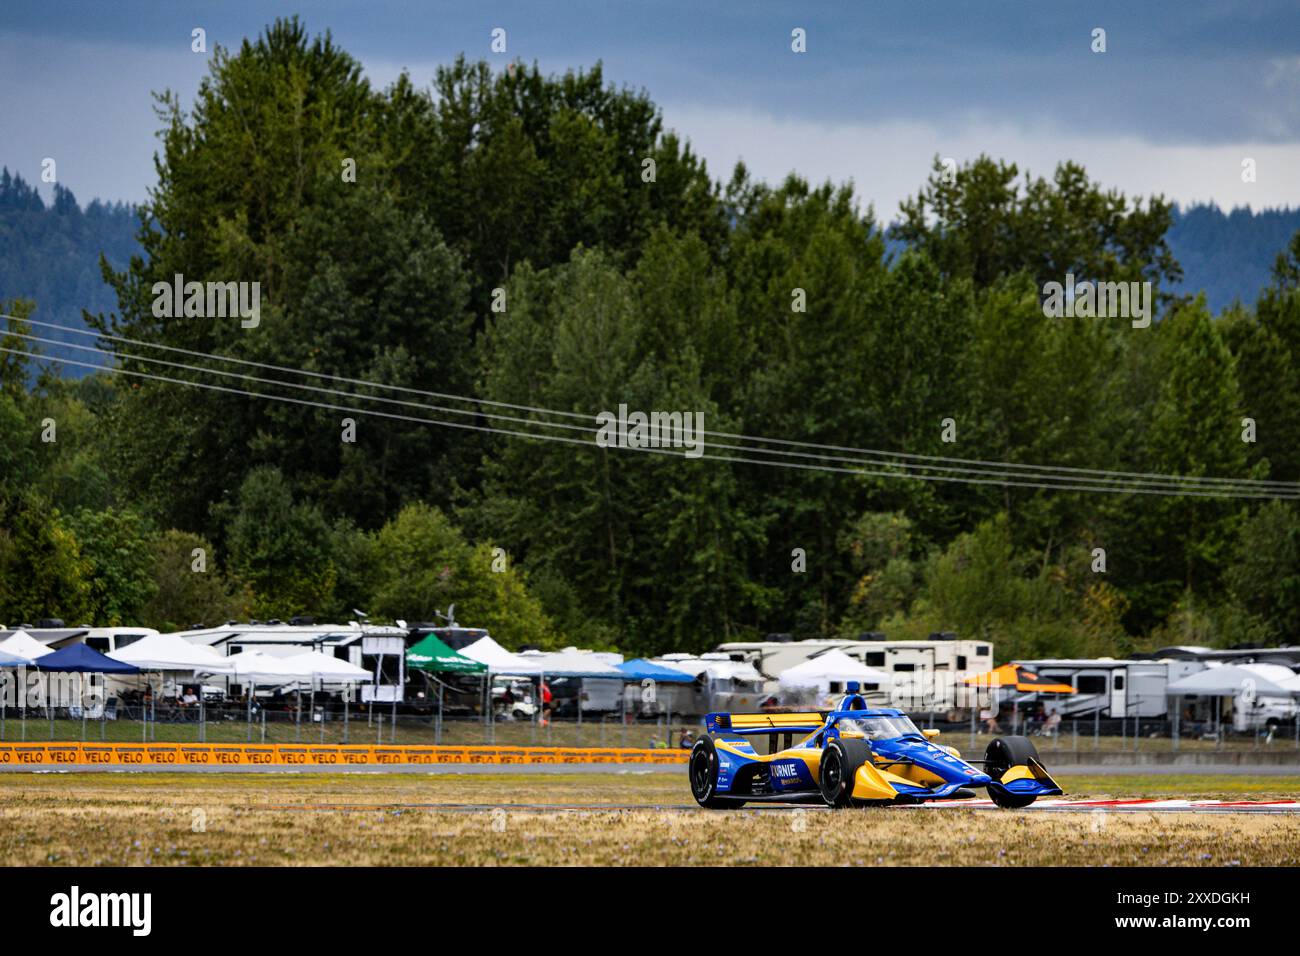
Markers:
(380, 650)
(1108, 687)
(927, 675)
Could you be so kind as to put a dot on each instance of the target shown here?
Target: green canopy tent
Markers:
(434, 657)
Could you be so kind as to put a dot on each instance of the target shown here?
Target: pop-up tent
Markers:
(79, 659)
(22, 644)
(170, 652)
(13, 660)
(333, 670)
(20, 649)
(497, 659)
(327, 669)
(1244, 683)
(832, 667)
(434, 656)
(571, 662)
(641, 669)
(259, 668)
(1227, 681)
(1018, 678)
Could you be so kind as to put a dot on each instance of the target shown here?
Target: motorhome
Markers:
(1108, 687)
(379, 649)
(927, 675)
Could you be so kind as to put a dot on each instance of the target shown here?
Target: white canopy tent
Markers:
(499, 660)
(22, 644)
(1227, 681)
(570, 662)
(254, 667)
(716, 668)
(170, 652)
(330, 669)
(1258, 692)
(832, 667)
(258, 668)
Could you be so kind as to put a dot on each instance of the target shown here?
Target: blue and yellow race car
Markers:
(854, 755)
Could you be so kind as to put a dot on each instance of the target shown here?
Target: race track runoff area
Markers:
(615, 815)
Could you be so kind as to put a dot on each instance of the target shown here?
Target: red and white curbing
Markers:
(1143, 806)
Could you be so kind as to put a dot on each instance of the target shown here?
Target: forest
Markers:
(543, 243)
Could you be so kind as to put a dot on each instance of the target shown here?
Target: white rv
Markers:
(927, 675)
(1108, 687)
(378, 649)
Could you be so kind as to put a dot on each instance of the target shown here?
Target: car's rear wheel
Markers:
(1003, 754)
(703, 771)
(839, 766)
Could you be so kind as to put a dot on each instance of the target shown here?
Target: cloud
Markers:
(888, 161)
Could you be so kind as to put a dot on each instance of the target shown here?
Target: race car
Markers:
(854, 755)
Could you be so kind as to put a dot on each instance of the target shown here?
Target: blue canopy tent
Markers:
(82, 659)
(13, 660)
(78, 659)
(641, 669)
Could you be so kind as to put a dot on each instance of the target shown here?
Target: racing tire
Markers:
(703, 773)
(1003, 754)
(840, 762)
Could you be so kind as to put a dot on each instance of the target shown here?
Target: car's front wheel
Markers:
(840, 762)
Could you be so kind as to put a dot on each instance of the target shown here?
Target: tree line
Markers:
(543, 242)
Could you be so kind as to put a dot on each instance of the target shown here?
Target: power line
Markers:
(580, 428)
(1107, 489)
(966, 466)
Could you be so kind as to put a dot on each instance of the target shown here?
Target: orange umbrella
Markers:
(1018, 678)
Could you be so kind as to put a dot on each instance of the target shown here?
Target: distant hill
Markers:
(1229, 255)
(51, 253)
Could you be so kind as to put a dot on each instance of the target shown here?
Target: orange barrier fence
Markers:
(47, 755)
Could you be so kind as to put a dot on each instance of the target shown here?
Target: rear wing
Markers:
(764, 723)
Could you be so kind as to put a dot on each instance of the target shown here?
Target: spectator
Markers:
(1051, 724)
(547, 700)
(687, 739)
(990, 718)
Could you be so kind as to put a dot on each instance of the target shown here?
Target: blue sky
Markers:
(1184, 92)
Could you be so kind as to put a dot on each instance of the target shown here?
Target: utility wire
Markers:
(1108, 489)
(980, 466)
(586, 429)
(580, 428)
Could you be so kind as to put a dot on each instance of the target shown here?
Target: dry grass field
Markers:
(286, 819)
